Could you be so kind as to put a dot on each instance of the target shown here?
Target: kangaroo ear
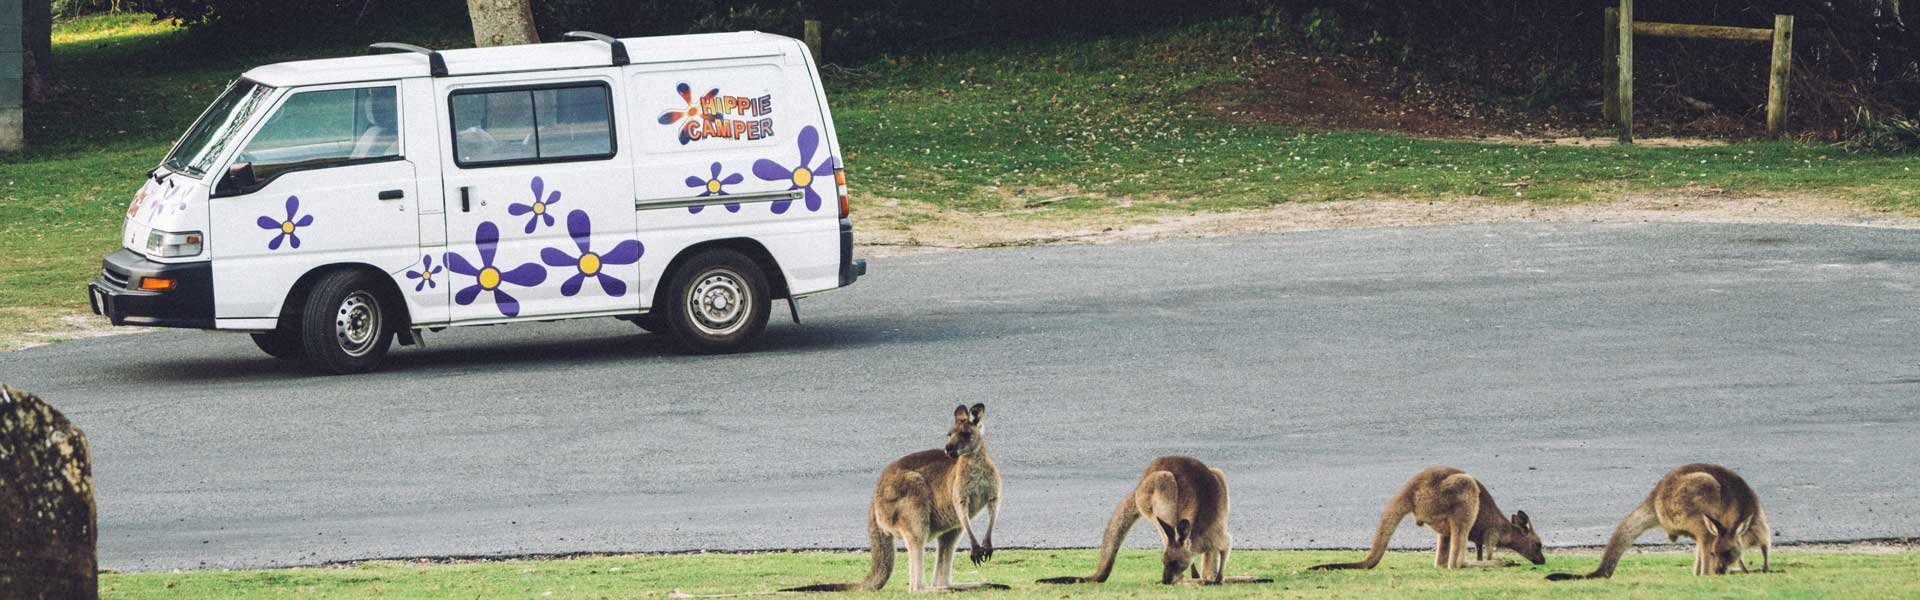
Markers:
(1745, 524)
(979, 411)
(1172, 532)
(960, 413)
(1521, 520)
(1185, 528)
(1713, 527)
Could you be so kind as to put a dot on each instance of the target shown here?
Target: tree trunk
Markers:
(502, 22)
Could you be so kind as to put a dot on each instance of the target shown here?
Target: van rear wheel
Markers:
(718, 302)
(345, 326)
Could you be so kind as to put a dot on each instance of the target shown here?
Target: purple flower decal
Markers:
(801, 177)
(425, 274)
(714, 186)
(287, 226)
(488, 278)
(539, 208)
(590, 264)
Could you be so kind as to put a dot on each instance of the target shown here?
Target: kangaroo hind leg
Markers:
(943, 562)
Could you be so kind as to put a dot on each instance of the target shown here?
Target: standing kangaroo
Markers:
(1188, 501)
(1459, 510)
(931, 495)
(1700, 502)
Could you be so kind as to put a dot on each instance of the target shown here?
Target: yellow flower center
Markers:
(713, 186)
(802, 177)
(489, 278)
(539, 208)
(589, 263)
(425, 274)
(286, 227)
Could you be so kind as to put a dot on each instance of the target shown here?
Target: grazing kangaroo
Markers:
(1188, 501)
(931, 495)
(1707, 503)
(1459, 510)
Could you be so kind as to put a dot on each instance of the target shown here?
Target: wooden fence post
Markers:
(811, 36)
(1610, 66)
(1779, 74)
(1624, 96)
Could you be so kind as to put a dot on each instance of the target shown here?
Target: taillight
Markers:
(840, 183)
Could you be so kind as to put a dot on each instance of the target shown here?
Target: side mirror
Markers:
(239, 178)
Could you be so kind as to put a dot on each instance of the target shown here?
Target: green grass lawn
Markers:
(1121, 123)
(1402, 575)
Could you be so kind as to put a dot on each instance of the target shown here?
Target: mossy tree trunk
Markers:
(502, 22)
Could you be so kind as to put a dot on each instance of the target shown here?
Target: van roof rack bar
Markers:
(436, 64)
(619, 49)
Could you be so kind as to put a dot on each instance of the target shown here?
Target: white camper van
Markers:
(328, 207)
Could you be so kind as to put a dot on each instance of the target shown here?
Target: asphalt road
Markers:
(1567, 366)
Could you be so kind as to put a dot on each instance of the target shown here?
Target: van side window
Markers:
(326, 128)
(539, 124)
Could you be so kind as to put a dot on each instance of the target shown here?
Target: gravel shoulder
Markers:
(892, 227)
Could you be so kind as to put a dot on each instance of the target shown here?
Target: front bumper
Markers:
(116, 294)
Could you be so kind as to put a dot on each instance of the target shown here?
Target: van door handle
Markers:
(464, 206)
(392, 194)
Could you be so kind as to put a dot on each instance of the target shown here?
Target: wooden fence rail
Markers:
(1617, 95)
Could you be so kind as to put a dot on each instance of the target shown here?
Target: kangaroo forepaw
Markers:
(981, 554)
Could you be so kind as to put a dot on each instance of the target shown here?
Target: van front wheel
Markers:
(718, 302)
(345, 327)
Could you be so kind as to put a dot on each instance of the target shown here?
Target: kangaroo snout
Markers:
(952, 451)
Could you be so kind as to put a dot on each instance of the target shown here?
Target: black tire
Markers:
(281, 344)
(650, 322)
(731, 310)
(347, 324)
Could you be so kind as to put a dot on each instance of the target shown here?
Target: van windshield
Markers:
(219, 127)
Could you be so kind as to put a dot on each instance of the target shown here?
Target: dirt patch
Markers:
(892, 227)
(1337, 93)
(22, 328)
(1359, 92)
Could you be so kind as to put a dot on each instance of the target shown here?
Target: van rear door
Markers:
(737, 149)
(539, 197)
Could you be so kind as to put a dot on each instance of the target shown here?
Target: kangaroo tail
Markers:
(1637, 522)
(1396, 511)
(1122, 520)
(882, 564)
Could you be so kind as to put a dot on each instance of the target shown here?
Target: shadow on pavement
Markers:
(240, 363)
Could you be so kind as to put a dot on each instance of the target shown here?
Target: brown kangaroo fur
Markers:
(1459, 510)
(1188, 501)
(1707, 503)
(931, 495)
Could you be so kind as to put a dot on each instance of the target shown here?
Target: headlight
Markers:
(166, 244)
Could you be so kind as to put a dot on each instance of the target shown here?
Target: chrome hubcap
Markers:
(357, 324)
(718, 304)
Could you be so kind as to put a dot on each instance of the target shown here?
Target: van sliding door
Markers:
(539, 198)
